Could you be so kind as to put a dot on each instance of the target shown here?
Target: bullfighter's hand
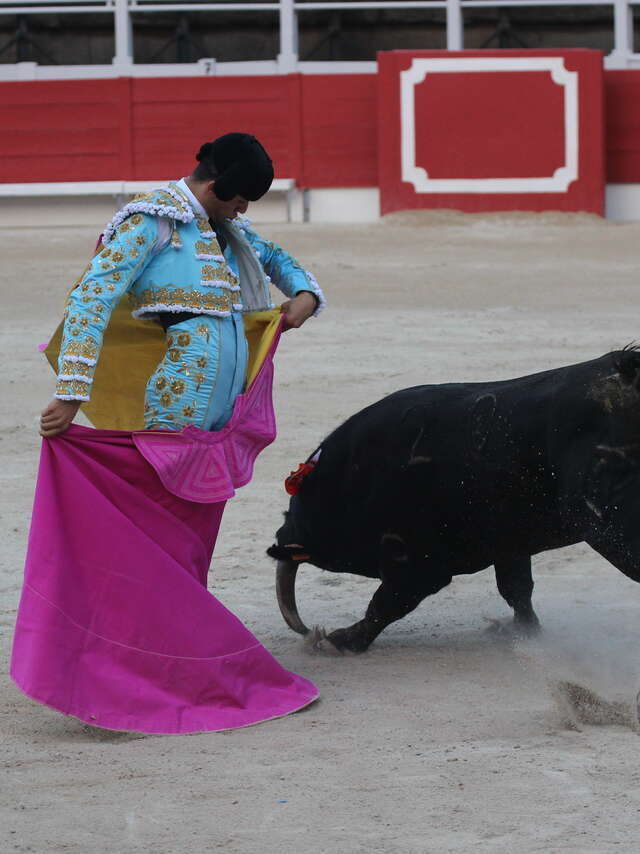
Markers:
(298, 309)
(57, 416)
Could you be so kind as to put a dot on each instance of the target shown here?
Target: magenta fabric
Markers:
(209, 466)
(116, 625)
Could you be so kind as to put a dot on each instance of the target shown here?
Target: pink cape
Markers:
(116, 625)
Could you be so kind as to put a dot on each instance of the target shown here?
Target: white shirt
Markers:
(165, 224)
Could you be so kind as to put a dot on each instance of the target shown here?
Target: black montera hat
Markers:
(242, 165)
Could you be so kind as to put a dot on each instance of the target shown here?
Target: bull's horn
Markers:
(286, 591)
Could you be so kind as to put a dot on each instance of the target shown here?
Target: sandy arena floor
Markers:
(443, 738)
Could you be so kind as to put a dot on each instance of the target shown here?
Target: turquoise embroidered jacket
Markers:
(191, 273)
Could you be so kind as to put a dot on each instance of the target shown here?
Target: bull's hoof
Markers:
(339, 642)
(350, 639)
(499, 628)
(317, 641)
(513, 629)
(528, 626)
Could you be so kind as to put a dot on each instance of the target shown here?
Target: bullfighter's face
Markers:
(218, 209)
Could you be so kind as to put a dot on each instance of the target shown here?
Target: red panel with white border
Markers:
(491, 130)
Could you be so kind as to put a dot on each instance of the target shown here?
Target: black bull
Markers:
(444, 480)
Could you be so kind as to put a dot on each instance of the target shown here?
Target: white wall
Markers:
(358, 204)
(622, 202)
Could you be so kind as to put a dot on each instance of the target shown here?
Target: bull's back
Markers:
(461, 467)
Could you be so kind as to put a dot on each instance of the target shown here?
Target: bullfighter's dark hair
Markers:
(239, 165)
(206, 169)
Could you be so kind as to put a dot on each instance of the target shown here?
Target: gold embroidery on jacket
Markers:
(72, 387)
(212, 247)
(71, 368)
(157, 299)
(86, 349)
(209, 272)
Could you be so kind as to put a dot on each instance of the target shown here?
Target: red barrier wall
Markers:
(339, 131)
(622, 123)
(62, 130)
(134, 129)
(171, 118)
(320, 129)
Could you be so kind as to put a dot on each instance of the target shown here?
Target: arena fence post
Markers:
(288, 56)
(455, 25)
(123, 33)
(622, 32)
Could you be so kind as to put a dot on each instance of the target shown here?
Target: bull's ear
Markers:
(628, 366)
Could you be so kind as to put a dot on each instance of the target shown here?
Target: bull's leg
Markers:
(515, 584)
(394, 599)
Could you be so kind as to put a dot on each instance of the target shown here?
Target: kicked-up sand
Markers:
(446, 736)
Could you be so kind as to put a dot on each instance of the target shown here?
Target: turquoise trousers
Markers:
(202, 372)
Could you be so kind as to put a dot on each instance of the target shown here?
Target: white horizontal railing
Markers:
(105, 188)
(622, 56)
(120, 190)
